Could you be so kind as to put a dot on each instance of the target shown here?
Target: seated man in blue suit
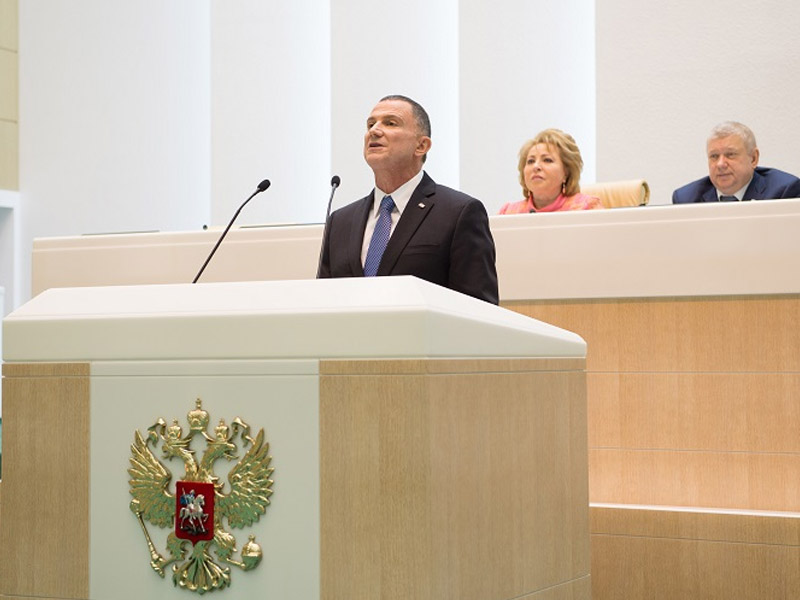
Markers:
(733, 171)
(408, 224)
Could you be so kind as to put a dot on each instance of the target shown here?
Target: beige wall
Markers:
(9, 113)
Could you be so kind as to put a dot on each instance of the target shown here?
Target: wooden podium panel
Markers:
(45, 509)
(455, 480)
(437, 472)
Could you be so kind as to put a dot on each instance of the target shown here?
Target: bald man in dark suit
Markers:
(434, 232)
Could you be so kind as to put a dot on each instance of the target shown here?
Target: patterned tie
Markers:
(380, 237)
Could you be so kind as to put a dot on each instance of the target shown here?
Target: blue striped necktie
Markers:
(380, 237)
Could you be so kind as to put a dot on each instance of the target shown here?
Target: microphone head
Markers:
(263, 185)
(335, 181)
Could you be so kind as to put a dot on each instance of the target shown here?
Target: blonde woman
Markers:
(549, 171)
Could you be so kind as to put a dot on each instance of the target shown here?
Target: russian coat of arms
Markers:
(201, 503)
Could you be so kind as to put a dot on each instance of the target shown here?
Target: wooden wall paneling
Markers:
(691, 402)
(732, 412)
(667, 568)
(746, 481)
(729, 334)
(580, 589)
(715, 556)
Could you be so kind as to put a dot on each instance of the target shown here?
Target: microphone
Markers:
(335, 181)
(261, 187)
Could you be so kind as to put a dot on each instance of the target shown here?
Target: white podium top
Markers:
(384, 317)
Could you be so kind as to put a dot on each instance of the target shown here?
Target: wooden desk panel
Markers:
(641, 553)
(692, 402)
(672, 420)
(729, 334)
(727, 412)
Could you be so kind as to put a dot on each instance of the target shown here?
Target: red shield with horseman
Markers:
(194, 511)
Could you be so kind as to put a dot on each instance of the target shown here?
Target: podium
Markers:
(422, 443)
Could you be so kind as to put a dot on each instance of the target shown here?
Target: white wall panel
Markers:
(114, 118)
(381, 48)
(270, 103)
(165, 116)
(524, 66)
(668, 72)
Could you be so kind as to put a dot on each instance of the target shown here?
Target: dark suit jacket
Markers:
(767, 184)
(442, 236)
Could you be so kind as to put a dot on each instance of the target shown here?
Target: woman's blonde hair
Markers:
(567, 150)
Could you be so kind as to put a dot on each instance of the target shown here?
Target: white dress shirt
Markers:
(739, 195)
(401, 196)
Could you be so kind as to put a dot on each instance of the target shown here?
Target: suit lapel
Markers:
(710, 195)
(756, 187)
(418, 208)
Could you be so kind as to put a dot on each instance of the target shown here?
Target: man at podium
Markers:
(408, 224)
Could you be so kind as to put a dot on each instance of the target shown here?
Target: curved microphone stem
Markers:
(335, 181)
(261, 187)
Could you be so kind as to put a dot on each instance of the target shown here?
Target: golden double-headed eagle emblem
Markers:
(200, 503)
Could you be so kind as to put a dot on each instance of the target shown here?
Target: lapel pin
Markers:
(421, 205)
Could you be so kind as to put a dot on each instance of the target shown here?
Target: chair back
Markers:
(615, 194)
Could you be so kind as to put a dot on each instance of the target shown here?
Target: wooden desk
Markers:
(691, 316)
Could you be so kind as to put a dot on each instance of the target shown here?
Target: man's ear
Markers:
(754, 158)
(423, 145)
